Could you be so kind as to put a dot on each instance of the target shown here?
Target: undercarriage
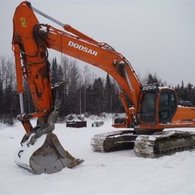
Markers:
(149, 146)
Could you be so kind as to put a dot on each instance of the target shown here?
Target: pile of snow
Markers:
(113, 173)
(74, 117)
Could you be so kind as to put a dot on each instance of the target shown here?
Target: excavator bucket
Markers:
(46, 155)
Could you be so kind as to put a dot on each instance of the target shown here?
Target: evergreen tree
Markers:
(186, 93)
(90, 96)
(98, 98)
(152, 79)
(54, 71)
(108, 94)
(60, 74)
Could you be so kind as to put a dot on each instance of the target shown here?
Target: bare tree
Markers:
(8, 100)
(7, 72)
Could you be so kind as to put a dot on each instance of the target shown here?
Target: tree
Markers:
(152, 79)
(98, 96)
(68, 73)
(54, 71)
(186, 93)
(7, 92)
(108, 94)
(86, 74)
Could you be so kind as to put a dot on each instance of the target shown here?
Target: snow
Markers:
(113, 173)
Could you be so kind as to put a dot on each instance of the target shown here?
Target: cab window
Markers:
(167, 106)
(147, 113)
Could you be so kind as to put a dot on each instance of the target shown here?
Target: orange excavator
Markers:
(152, 108)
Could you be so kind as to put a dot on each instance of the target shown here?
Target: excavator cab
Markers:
(157, 105)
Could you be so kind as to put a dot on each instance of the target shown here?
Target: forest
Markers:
(82, 92)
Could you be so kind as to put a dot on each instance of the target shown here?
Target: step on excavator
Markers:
(149, 109)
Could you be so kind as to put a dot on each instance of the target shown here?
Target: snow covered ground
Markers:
(113, 173)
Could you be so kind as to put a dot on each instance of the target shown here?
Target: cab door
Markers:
(167, 105)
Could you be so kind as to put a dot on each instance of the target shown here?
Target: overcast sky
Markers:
(156, 36)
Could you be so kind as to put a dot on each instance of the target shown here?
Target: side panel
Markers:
(184, 114)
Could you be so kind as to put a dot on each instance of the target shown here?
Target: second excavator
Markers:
(152, 108)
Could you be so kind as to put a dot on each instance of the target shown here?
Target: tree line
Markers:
(81, 92)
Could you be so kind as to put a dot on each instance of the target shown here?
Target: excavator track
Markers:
(148, 146)
(45, 155)
(166, 143)
(113, 141)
